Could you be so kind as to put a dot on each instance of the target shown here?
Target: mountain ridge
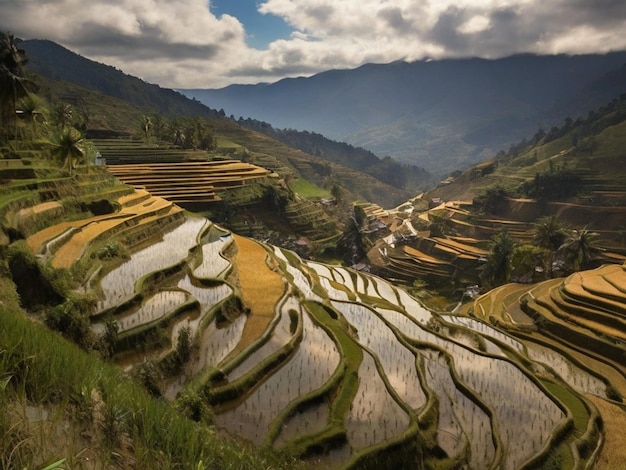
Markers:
(421, 112)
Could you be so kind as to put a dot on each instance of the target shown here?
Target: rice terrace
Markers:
(168, 305)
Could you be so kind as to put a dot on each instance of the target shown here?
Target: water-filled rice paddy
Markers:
(278, 337)
(407, 352)
(397, 360)
(314, 361)
(460, 419)
(174, 247)
(152, 310)
(213, 263)
(375, 415)
(581, 380)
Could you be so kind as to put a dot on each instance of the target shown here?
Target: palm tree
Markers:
(12, 80)
(33, 110)
(580, 249)
(549, 234)
(146, 127)
(497, 269)
(62, 115)
(67, 148)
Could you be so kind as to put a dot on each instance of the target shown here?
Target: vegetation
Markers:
(67, 148)
(497, 269)
(388, 170)
(12, 84)
(307, 361)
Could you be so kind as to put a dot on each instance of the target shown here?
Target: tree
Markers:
(524, 261)
(580, 249)
(549, 234)
(33, 110)
(498, 267)
(67, 148)
(493, 200)
(62, 115)
(146, 127)
(12, 81)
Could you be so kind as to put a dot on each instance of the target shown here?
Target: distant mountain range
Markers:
(442, 115)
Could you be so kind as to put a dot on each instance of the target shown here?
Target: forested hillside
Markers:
(441, 115)
(388, 170)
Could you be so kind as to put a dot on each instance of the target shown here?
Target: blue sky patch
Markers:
(260, 29)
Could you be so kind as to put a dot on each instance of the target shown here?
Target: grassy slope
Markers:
(64, 402)
(600, 166)
(107, 112)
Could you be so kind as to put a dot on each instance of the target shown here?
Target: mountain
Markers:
(441, 115)
(106, 94)
(388, 170)
(55, 61)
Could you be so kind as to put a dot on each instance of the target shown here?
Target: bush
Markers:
(33, 285)
(552, 184)
(193, 406)
(111, 250)
(71, 319)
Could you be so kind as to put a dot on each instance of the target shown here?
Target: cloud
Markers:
(181, 43)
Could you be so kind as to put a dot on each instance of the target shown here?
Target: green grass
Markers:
(45, 370)
(309, 190)
(224, 143)
(581, 418)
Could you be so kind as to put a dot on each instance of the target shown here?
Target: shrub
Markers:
(194, 407)
(33, 285)
(147, 375)
(552, 184)
(71, 319)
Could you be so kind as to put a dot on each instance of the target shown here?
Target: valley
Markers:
(224, 300)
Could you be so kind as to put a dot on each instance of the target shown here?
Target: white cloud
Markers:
(475, 24)
(180, 43)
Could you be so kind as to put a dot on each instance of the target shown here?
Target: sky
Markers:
(212, 44)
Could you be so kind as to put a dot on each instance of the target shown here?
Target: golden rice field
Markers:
(613, 454)
(261, 287)
(71, 251)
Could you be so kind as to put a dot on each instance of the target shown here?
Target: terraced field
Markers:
(410, 245)
(576, 333)
(188, 182)
(339, 367)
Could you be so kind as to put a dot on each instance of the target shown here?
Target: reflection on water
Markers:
(213, 263)
(153, 309)
(374, 415)
(314, 361)
(278, 338)
(459, 417)
(174, 246)
(397, 360)
(580, 380)
(312, 420)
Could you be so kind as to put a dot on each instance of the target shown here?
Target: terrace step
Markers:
(540, 306)
(591, 318)
(189, 182)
